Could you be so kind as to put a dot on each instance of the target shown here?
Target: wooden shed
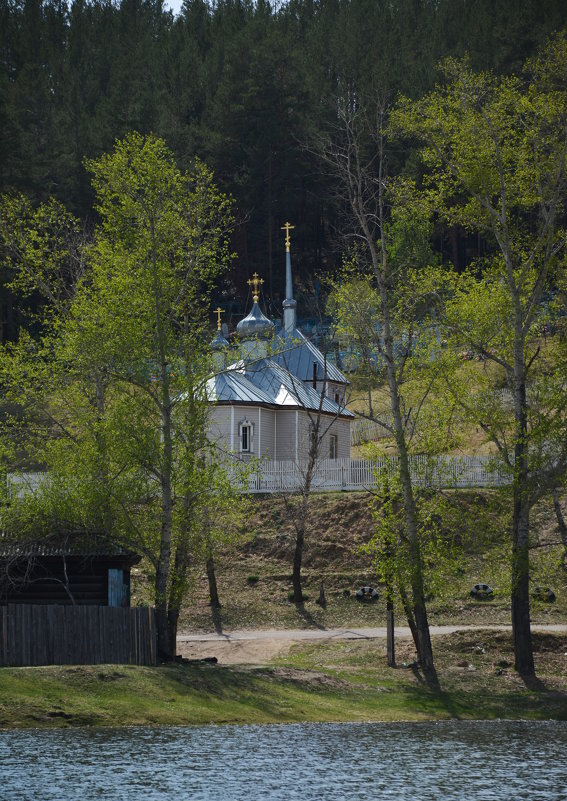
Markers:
(75, 569)
(66, 600)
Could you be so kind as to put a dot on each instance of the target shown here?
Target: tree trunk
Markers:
(162, 624)
(523, 652)
(166, 647)
(520, 600)
(297, 559)
(176, 593)
(301, 522)
(409, 616)
(213, 590)
(560, 523)
(391, 653)
(422, 637)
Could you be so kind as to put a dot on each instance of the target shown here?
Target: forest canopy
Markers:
(244, 86)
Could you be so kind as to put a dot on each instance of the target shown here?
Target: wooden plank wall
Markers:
(51, 634)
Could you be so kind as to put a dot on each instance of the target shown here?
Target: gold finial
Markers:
(287, 228)
(218, 312)
(257, 282)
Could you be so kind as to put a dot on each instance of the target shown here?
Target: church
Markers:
(270, 402)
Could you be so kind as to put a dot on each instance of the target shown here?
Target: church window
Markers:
(333, 446)
(246, 431)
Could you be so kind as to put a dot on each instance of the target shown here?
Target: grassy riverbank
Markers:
(337, 681)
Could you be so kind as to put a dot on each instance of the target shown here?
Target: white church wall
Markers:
(219, 429)
(285, 434)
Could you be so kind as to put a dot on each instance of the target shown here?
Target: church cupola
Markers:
(219, 344)
(255, 329)
(289, 304)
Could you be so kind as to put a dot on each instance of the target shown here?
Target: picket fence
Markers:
(362, 431)
(342, 474)
(361, 474)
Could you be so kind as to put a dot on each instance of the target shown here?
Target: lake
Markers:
(495, 761)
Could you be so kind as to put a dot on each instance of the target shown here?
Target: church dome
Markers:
(255, 326)
(219, 342)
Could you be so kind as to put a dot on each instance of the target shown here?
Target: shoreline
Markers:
(328, 680)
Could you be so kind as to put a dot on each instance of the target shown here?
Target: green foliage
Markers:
(242, 85)
(494, 153)
(113, 392)
(390, 550)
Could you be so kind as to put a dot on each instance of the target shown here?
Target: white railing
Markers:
(341, 474)
(361, 474)
(362, 431)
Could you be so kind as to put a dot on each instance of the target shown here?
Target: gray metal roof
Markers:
(296, 353)
(233, 386)
(219, 342)
(255, 325)
(266, 382)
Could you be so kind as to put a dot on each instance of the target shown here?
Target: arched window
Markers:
(246, 436)
(333, 446)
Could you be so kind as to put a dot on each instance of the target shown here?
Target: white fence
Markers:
(361, 474)
(362, 430)
(342, 474)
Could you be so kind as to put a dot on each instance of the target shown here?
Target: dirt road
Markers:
(257, 647)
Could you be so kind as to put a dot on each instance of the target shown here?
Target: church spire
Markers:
(289, 304)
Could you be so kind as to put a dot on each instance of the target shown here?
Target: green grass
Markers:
(337, 681)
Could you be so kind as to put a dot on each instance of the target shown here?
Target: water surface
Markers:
(496, 761)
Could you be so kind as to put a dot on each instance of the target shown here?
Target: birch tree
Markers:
(355, 150)
(495, 154)
(120, 377)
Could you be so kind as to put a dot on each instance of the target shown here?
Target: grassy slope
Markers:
(340, 523)
(335, 681)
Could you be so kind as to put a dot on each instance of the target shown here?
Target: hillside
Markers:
(254, 579)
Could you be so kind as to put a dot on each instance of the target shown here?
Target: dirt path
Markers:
(257, 647)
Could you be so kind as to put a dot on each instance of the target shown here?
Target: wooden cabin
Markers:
(66, 601)
(77, 570)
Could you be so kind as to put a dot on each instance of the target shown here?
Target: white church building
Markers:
(281, 390)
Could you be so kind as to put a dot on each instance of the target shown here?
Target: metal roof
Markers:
(296, 353)
(233, 385)
(255, 325)
(267, 382)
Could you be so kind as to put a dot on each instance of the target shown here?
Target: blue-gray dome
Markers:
(255, 325)
(219, 342)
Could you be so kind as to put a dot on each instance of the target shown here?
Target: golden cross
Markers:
(218, 312)
(287, 227)
(257, 282)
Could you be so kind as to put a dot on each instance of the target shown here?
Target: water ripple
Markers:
(496, 761)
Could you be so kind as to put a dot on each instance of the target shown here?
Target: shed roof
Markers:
(74, 544)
